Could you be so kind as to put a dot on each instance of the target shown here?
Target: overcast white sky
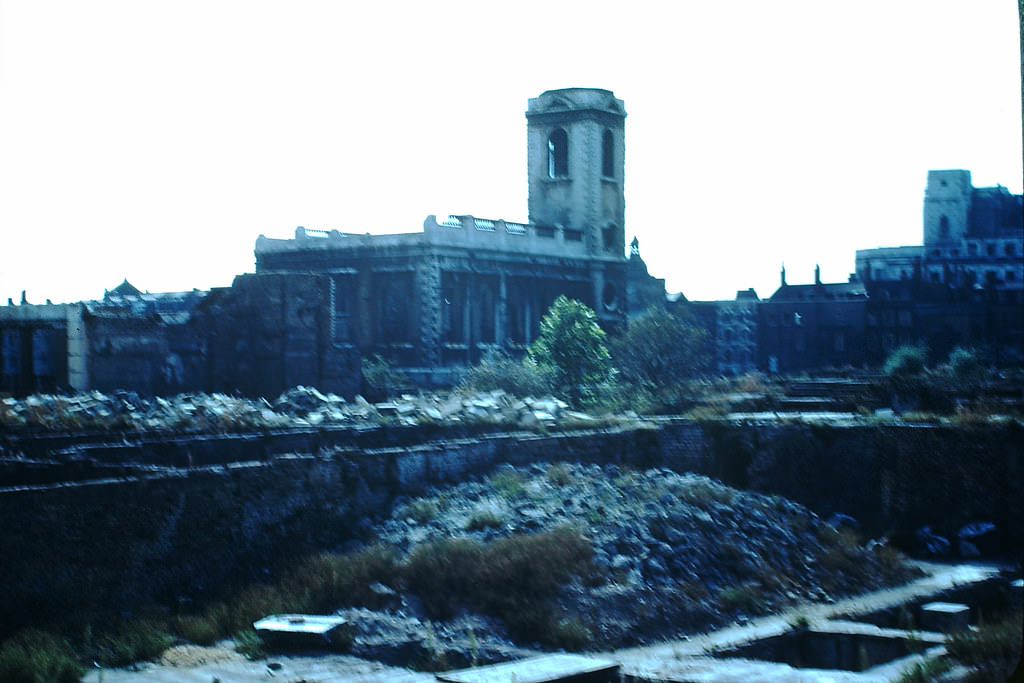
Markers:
(155, 141)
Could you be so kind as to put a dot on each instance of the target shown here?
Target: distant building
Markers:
(972, 236)
(466, 286)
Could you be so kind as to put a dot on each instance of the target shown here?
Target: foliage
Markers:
(485, 519)
(508, 483)
(380, 380)
(517, 377)
(906, 361)
(559, 474)
(514, 578)
(573, 345)
(37, 657)
(249, 644)
(661, 347)
(991, 650)
(965, 364)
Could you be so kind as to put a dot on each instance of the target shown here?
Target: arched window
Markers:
(608, 155)
(944, 227)
(558, 154)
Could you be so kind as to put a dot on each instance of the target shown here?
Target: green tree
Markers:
(661, 347)
(573, 345)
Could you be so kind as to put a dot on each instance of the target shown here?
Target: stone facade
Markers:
(971, 236)
(466, 286)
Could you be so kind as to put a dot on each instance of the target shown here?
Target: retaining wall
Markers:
(166, 533)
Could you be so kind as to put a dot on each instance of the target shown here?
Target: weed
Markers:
(199, 629)
(421, 510)
(131, 641)
(992, 648)
(32, 656)
(559, 474)
(924, 672)
(484, 519)
(508, 483)
(324, 582)
(569, 634)
(250, 645)
(741, 598)
(513, 578)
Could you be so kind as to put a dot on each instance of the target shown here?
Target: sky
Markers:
(155, 141)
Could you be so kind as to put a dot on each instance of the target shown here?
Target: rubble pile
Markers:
(296, 408)
(672, 553)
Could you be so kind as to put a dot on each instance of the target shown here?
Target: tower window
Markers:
(558, 154)
(944, 227)
(610, 237)
(608, 155)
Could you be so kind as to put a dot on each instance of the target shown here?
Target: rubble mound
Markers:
(298, 408)
(671, 553)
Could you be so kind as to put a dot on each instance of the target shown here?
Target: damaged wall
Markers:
(170, 534)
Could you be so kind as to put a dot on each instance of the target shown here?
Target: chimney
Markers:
(783, 275)
(817, 274)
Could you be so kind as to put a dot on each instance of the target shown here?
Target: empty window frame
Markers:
(558, 154)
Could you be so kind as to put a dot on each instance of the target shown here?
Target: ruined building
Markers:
(427, 301)
(442, 298)
(467, 285)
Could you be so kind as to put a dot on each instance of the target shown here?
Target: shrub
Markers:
(485, 519)
(201, 630)
(249, 644)
(517, 377)
(571, 343)
(659, 347)
(965, 364)
(514, 579)
(422, 510)
(508, 483)
(131, 641)
(380, 380)
(328, 581)
(559, 474)
(991, 651)
(32, 656)
(906, 361)
(743, 598)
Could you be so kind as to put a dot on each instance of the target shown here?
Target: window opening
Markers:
(608, 155)
(558, 154)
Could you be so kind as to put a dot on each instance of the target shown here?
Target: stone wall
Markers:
(168, 533)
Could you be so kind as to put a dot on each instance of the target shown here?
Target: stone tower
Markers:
(575, 155)
(947, 204)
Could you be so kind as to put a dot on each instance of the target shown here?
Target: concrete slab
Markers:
(945, 617)
(302, 630)
(545, 669)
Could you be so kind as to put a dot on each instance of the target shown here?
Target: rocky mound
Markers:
(669, 553)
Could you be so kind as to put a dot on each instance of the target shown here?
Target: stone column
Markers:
(427, 299)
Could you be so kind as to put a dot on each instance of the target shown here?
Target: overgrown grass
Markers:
(33, 656)
(484, 519)
(508, 483)
(514, 579)
(559, 474)
(991, 651)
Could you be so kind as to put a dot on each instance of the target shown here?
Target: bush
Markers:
(991, 651)
(659, 348)
(380, 380)
(906, 361)
(517, 377)
(571, 343)
(35, 657)
(484, 520)
(965, 364)
(514, 579)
